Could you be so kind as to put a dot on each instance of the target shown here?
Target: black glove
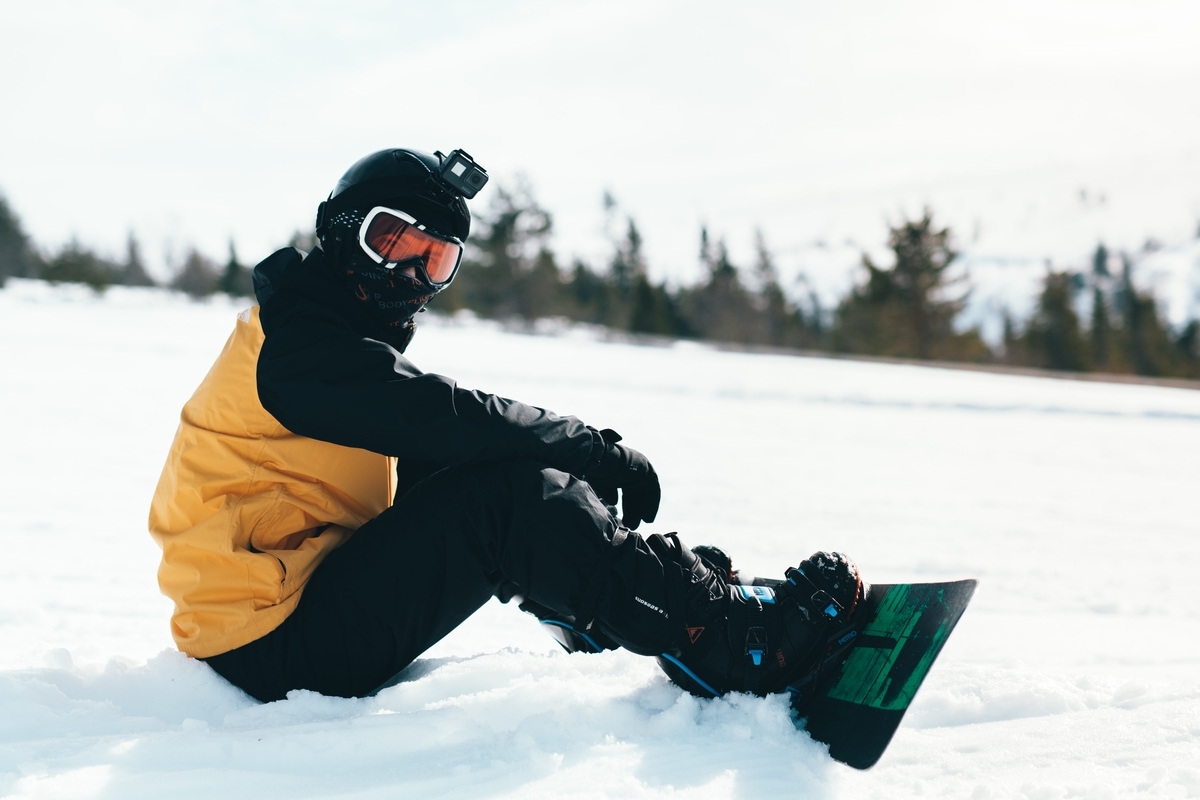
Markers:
(620, 467)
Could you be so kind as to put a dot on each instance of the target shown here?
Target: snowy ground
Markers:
(1073, 674)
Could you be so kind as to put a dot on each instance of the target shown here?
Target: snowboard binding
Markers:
(766, 636)
(757, 635)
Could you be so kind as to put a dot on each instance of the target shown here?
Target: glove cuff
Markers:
(602, 441)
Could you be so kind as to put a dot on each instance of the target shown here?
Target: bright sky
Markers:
(818, 122)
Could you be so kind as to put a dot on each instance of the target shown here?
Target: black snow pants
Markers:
(414, 573)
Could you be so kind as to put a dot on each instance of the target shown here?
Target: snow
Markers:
(1072, 674)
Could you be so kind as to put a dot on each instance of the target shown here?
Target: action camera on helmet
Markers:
(461, 174)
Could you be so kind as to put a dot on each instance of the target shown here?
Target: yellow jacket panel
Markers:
(245, 510)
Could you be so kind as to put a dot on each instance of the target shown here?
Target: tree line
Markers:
(907, 309)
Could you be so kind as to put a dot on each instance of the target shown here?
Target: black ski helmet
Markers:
(398, 178)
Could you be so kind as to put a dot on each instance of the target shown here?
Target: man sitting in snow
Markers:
(328, 512)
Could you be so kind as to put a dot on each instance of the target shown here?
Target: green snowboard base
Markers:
(858, 704)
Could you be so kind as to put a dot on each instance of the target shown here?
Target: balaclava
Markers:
(389, 297)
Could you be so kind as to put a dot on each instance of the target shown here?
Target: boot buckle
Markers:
(825, 604)
(820, 600)
(756, 644)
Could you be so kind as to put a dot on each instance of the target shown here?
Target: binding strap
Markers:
(812, 597)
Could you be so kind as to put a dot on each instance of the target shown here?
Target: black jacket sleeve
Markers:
(322, 375)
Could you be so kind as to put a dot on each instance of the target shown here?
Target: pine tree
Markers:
(77, 264)
(653, 310)
(1100, 261)
(782, 324)
(720, 308)
(1188, 344)
(199, 276)
(1101, 331)
(133, 271)
(908, 310)
(235, 279)
(627, 262)
(1147, 340)
(590, 295)
(1054, 339)
(510, 236)
(18, 259)
(627, 271)
(539, 290)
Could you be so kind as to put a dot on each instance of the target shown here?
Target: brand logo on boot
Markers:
(651, 606)
(695, 633)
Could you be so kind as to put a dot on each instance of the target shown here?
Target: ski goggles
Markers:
(391, 237)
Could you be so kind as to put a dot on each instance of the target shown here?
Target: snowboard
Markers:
(872, 670)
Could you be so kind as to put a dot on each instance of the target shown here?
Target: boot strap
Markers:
(752, 617)
(756, 656)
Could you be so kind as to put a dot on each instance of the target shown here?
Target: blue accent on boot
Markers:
(700, 681)
(763, 594)
(566, 626)
(756, 644)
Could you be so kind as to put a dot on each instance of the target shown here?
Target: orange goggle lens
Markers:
(392, 237)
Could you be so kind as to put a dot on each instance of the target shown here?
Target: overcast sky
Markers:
(194, 124)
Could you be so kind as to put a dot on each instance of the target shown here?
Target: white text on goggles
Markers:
(391, 237)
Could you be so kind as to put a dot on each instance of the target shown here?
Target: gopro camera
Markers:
(461, 174)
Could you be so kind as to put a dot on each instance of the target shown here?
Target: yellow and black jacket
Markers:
(307, 426)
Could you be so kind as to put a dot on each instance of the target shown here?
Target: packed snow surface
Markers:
(1072, 675)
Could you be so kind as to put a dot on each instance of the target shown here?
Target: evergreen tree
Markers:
(1188, 344)
(775, 318)
(1188, 347)
(1011, 342)
(1054, 339)
(627, 262)
(539, 289)
(1100, 261)
(632, 302)
(235, 279)
(720, 308)
(814, 319)
(133, 271)
(589, 295)
(908, 310)
(77, 264)
(18, 259)
(1101, 332)
(199, 276)
(653, 309)
(1147, 341)
(627, 270)
(781, 323)
(510, 237)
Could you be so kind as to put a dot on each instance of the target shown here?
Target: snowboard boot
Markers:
(759, 636)
(573, 638)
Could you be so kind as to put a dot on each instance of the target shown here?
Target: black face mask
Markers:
(388, 297)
